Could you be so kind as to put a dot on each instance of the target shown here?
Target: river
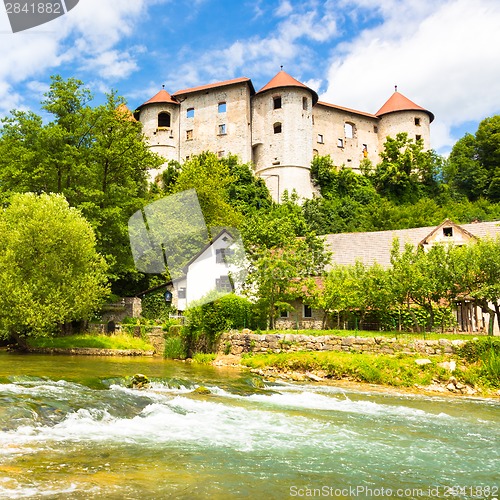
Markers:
(71, 428)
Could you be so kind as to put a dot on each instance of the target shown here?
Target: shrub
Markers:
(174, 348)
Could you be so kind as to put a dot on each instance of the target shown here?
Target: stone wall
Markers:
(238, 343)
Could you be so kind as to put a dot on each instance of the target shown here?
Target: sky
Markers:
(442, 54)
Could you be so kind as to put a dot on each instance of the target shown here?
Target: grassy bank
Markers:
(91, 341)
(393, 370)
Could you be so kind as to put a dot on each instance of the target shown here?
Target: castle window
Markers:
(315, 152)
(340, 143)
(277, 102)
(307, 313)
(348, 130)
(222, 107)
(190, 113)
(222, 129)
(320, 139)
(164, 119)
(189, 135)
(375, 129)
(418, 137)
(448, 232)
(277, 128)
(304, 103)
(417, 121)
(365, 150)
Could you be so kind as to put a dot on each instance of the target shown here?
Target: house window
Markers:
(320, 139)
(222, 129)
(164, 119)
(189, 135)
(304, 103)
(448, 232)
(283, 314)
(277, 128)
(348, 130)
(221, 255)
(222, 107)
(190, 113)
(277, 102)
(182, 293)
(307, 313)
(223, 284)
(340, 143)
(418, 137)
(417, 122)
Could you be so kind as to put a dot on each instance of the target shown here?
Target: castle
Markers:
(277, 129)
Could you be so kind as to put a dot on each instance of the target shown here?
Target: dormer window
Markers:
(448, 232)
(277, 102)
(163, 119)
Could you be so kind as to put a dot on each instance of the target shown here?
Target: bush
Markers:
(478, 349)
(174, 348)
(206, 322)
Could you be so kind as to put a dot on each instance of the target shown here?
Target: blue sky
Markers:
(442, 54)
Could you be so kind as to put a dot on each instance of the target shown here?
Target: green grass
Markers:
(396, 371)
(371, 333)
(92, 341)
(204, 359)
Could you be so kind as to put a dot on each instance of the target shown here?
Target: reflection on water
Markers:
(70, 428)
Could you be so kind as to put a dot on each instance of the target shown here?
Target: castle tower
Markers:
(160, 120)
(282, 129)
(399, 114)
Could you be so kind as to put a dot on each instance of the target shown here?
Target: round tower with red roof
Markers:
(399, 114)
(160, 119)
(282, 132)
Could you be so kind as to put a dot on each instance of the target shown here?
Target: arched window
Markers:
(277, 128)
(164, 119)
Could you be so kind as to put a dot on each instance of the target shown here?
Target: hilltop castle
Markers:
(277, 129)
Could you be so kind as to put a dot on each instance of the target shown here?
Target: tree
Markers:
(95, 157)
(406, 172)
(50, 271)
(280, 274)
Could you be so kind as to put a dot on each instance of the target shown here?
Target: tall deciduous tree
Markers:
(50, 271)
(96, 157)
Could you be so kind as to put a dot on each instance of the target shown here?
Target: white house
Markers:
(210, 271)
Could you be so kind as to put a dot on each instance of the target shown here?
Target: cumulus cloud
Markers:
(441, 54)
(86, 38)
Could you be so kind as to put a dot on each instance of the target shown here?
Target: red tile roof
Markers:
(398, 102)
(283, 79)
(348, 110)
(161, 96)
(215, 85)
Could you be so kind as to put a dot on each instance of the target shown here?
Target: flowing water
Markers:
(71, 428)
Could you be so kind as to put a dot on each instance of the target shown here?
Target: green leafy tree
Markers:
(50, 271)
(277, 275)
(406, 172)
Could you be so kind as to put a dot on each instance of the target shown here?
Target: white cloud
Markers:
(89, 32)
(284, 9)
(442, 55)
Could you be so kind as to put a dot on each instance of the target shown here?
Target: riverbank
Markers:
(432, 379)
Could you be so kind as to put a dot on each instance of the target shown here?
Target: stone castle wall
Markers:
(239, 343)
